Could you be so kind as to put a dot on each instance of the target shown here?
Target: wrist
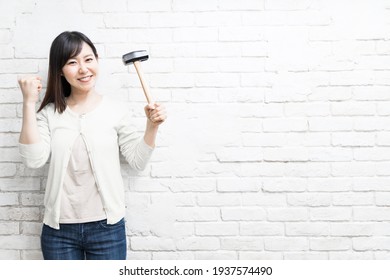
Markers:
(151, 126)
(29, 104)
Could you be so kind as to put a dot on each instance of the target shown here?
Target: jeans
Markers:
(91, 241)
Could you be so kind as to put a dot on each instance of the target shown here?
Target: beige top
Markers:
(80, 201)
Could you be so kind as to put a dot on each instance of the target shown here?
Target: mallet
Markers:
(136, 57)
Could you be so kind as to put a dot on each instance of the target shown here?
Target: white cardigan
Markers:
(105, 130)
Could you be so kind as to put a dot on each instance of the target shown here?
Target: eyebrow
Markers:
(74, 57)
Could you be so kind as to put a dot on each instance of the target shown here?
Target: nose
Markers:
(83, 68)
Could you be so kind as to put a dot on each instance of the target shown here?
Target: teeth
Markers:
(85, 78)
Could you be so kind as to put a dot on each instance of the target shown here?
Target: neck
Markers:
(81, 97)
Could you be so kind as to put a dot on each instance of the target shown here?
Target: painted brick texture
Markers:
(277, 144)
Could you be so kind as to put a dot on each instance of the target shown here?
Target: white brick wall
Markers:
(277, 144)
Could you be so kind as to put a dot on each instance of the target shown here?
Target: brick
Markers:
(191, 185)
(284, 185)
(241, 34)
(351, 255)
(261, 229)
(330, 154)
(309, 109)
(220, 199)
(9, 139)
(264, 199)
(9, 254)
(172, 80)
(146, 185)
(383, 139)
(187, 5)
(189, 95)
(371, 154)
(290, 5)
(7, 169)
(139, 255)
(330, 214)
(11, 95)
(287, 214)
(353, 199)
(217, 80)
(32, 199)
(22, 66)
(324, 93)
(353, 139)
(21, 184)
(330, 244)
(199, 214)
(170, 256)
(32, 255)
(261, 111)
(309, 199)
(19, 214)
(242, 244)
(246, 5)
(20, 242)
(243, 214)
(353, 109)
(239, 154)
(215, 256)
(371, 243)
(9, 228)
(306, 256)
(371, 214)
(217, 229)
(307, 229)
(9, 199)
(5, 36)
(6, 51)
(218, 19)
(309, 170)
(353, 169)
(7, 111)
(102, 6)
(286, 244)
(151, 243)
(238, 185)
(330, 124)
(285, 154)
(329, 184)
(198, 244)
(285, 125)
(194, 34)
(160, 20)
(31, 228)
(125, 20)
(150, 36)
(352, 229)
(10, 125)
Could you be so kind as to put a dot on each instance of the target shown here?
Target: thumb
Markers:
(151, 106)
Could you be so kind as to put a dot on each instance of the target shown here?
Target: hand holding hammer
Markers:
(155, 112)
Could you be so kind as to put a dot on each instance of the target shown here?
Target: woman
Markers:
(82, 132)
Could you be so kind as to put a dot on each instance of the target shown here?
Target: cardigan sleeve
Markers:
(36, 155)
(132, 146)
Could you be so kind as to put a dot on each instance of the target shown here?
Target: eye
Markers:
(90, 59)
(71, 62)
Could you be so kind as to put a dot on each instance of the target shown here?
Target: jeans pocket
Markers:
(104, 224)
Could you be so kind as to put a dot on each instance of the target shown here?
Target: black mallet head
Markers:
(134, 56)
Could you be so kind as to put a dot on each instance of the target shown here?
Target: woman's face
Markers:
(81, 71)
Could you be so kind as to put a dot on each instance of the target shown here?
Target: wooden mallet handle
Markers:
(145, 87)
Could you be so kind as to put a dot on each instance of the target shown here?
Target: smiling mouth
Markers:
(85, 79)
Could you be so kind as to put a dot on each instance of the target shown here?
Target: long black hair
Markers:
(66, 45)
